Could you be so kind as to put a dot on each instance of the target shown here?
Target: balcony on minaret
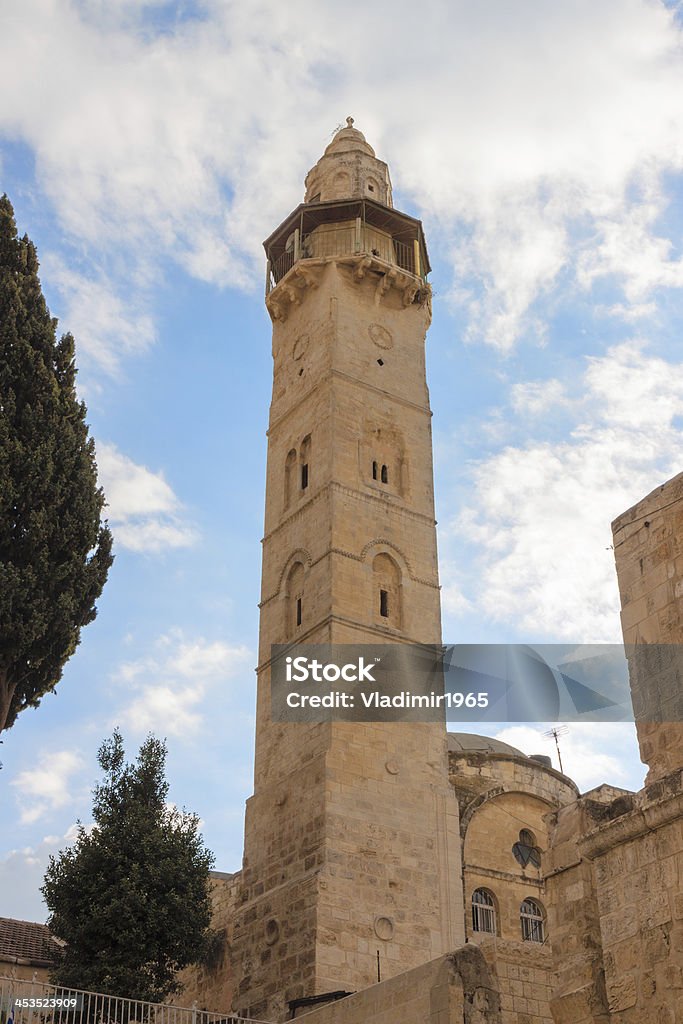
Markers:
(347, 215)
(319, 231)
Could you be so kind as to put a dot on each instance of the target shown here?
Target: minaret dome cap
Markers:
(349, 139)
(348, 169)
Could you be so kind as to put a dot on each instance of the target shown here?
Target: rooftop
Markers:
(28, 942)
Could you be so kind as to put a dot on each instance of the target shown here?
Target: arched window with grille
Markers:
(532, 918)
(483, 911)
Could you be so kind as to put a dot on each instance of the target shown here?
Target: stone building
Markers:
(392, 872)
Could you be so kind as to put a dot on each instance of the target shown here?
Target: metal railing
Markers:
(343, 240)
(31, 1002)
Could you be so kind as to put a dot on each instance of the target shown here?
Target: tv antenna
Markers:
(554, 734)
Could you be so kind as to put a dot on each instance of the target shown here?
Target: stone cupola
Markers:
(348, 169)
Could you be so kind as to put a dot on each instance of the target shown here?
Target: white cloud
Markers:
(106, 326)
(630, 248)
(21, 875)
(534, 398)
(592, 753)
(172, 685)
(48, 786)
(143, 510)
(538, 518)
(194, 133)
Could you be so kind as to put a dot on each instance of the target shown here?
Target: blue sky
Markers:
(149, 147)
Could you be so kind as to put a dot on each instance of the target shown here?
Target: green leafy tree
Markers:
(55, 552)
(131, 897)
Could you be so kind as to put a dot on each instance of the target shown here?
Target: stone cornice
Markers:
(508, 876)
(645, 818)
(358, 381)
(305, 274)
(384, 635)
(353, 492)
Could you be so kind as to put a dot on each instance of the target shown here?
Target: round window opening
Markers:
(272, 931)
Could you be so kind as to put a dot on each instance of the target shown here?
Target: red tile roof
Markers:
(27, 942)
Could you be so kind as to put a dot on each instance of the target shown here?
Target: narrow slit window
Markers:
(298, 611)
(384, 603)
(374, 471)
(385, 475)
(304, 476)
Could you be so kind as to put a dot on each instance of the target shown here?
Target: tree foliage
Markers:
(54, 550)
(131, 897)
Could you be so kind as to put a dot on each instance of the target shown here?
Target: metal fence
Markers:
(30, 1002)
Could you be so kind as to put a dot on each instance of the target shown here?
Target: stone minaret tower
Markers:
(352, 842)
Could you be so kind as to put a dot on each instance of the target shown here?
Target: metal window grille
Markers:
(483, 912)
(532, 921)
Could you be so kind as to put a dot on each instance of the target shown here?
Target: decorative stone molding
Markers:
(291, 289)
(307, 273)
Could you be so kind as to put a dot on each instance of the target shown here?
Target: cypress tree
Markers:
(55, 551)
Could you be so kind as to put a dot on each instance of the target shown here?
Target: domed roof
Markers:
(348, 139)
(469, 742)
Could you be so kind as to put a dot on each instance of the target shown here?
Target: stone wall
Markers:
(615, 895)
(19, 971)
(211, 984)
(524, 972)
(648, 549)
(616, 862)
(458, 988)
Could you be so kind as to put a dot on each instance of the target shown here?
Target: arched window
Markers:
(294, 600)
(386, 591)
(483, 911)
(290, 469)
(525, 851)
(304, 461)
(385, 475)
(374, 470)
(532, 918)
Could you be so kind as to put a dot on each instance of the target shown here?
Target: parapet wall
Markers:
(458, 988)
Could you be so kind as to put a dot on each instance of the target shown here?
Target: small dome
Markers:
(469, 743)
(348, 139)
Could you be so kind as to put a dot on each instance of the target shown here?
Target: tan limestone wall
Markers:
(458, 988)
(488, 861)
(524, 971)
(648, 549)
(24, 972)
(211, 985)
(351, 838)
(616, 909)
(574, 921)
(637, 859)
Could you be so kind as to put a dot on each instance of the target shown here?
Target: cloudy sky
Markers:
(149, 147)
